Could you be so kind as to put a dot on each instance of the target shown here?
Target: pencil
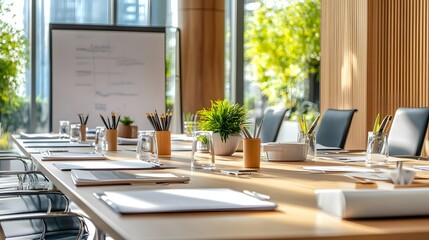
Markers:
(104, 121)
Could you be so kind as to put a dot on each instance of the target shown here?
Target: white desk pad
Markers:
(374, 203)
(182, 200)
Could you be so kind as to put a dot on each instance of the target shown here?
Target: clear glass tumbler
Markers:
(377, 150)
(100, 139)
(75, 133)
(147, 148)
(202, 151)
(310, 139)
(64, 129)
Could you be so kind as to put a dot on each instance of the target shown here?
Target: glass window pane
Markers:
(59, 11)
(132, 12)
(282, 54)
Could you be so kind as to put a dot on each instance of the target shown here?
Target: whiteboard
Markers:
(102, 69)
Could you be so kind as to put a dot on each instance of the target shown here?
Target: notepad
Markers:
(37, 135)
(338, 169)
(360, 158)
(108, 165)
(51, 155)
(91, 178)
(325, 148)
(46, 140)
(182, 200)
(56, 145)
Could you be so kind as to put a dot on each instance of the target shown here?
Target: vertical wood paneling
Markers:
(402, 67)
(203, 59)
(344, 62)
(380, 49)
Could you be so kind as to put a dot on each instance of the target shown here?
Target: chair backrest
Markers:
(408, 131)
(334, 128)
(273, 119)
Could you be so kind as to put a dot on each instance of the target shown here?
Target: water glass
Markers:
(377, 149)
(64, 129)
(147, 147)
(100, 139)
(75, 133)
(189, 128)
(310, 139)
(202, 151)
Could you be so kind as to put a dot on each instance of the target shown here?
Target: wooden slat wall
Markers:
(203, 55)
(344, 62)
(398, 56)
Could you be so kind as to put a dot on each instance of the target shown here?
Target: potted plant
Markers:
(126, 130)
(223, 119)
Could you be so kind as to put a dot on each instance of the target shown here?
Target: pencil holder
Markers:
(112, 139)
(252, 152)
(164, 142)
(83, 132)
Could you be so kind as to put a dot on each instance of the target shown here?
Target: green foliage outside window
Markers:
(13, 59)
(282, 46)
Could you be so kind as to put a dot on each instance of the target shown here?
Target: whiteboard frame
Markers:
(124, 29)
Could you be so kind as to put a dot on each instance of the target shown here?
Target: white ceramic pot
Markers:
(225, 148)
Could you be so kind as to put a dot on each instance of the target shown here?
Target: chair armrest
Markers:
(30, 216)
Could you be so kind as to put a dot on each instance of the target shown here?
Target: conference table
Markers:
(288, 185)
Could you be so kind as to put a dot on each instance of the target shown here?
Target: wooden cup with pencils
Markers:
(161, 124)
(83, 120)
(111, 131)
(251, 147)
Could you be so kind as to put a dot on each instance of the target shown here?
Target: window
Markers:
(127, 12)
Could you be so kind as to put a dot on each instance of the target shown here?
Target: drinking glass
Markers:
(100, 139)
(75, 133)
(377, 149)
(310, 139)
(64, 129)
(202, 151)
(147, 147)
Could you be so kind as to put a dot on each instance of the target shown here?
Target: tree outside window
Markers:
(282, 51)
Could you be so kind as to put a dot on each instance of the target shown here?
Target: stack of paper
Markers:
(108, 165)
(47, 155)
(87, 178)
(182, 200)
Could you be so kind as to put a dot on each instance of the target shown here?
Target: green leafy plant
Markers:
(126, 121)
(13, 59)
(203, 139)
(222, 117)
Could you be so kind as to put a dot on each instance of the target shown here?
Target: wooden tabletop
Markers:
(297, 216)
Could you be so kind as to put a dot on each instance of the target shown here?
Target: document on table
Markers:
(421, 167)
(360, 158)
(56, 145)
(182, 200)
(46, 140)
(323, 169)
(109, 165)
(91, 178)
(38, 135)
(52, 155)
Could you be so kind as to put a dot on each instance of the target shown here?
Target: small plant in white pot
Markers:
(223, 119)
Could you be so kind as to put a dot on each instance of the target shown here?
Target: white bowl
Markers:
(287, 151)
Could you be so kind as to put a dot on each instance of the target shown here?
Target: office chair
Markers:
(39, 215)
(273, 119)
(334, 128)
(408, 130)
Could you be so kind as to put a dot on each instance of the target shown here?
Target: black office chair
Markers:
(408, 130)
(334, 128)
(273, 119)
(39, 215)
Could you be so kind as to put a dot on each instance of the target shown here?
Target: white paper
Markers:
(338, 169)
(183, 200)
(72, 156)
(374, 203)
(360, 158)
(127, 141)
(106, 165)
